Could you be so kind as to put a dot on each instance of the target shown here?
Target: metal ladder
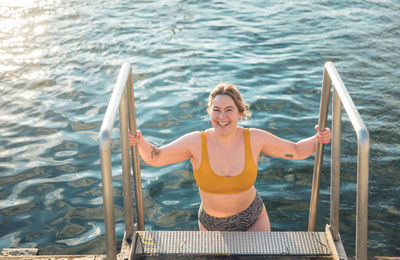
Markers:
(138, 243)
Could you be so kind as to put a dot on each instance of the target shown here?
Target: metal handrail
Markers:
(341, 97)
(122, 97)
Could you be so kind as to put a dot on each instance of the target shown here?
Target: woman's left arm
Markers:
(274, 146)
(306, 147)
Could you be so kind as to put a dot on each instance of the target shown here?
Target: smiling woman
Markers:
(224, 160)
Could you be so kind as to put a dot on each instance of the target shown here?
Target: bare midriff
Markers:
(223, 205)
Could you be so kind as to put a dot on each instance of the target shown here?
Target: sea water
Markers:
(59, 61)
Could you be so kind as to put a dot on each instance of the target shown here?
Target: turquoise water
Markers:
(59, 61)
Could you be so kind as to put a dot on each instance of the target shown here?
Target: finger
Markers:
(323, 137)
(138, 134)
(324, 140)
(323, 130)
(132, 139)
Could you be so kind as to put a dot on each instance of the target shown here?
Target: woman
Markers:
(224, 160)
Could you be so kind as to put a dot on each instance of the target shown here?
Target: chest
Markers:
(228, 160)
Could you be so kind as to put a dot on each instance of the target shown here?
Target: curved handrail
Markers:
(341, 97)
(122, 97)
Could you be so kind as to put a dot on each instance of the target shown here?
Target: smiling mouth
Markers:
(221, 124)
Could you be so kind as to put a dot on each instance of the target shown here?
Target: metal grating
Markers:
(232, 243)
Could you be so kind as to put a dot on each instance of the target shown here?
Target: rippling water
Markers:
(59, 61)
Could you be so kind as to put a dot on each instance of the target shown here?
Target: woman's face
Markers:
(224, 114)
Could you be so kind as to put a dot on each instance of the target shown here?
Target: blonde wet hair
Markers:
(233, 92)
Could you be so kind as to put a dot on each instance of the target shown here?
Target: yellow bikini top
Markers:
(209, 181)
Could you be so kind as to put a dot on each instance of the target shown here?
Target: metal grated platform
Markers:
(231, 243)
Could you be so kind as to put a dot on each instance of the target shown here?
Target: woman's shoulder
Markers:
(256, 131)
(257, 134)
(192, 142)
(188, 141)
(192, 138)
(192, 135)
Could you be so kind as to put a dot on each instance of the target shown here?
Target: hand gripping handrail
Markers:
(122, 97)
(341, 97)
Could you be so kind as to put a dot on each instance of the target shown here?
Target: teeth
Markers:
(223, 124)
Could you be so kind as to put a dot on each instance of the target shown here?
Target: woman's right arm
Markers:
(174, 152)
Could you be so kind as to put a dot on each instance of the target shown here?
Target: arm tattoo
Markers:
(288, 155)
(154, 151)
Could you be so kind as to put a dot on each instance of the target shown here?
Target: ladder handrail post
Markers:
(335, 164)
(362, 194)
(108, 199)
(323, 115)
(117, 101)
(342, 97)
(126, 166)
(135, 155)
